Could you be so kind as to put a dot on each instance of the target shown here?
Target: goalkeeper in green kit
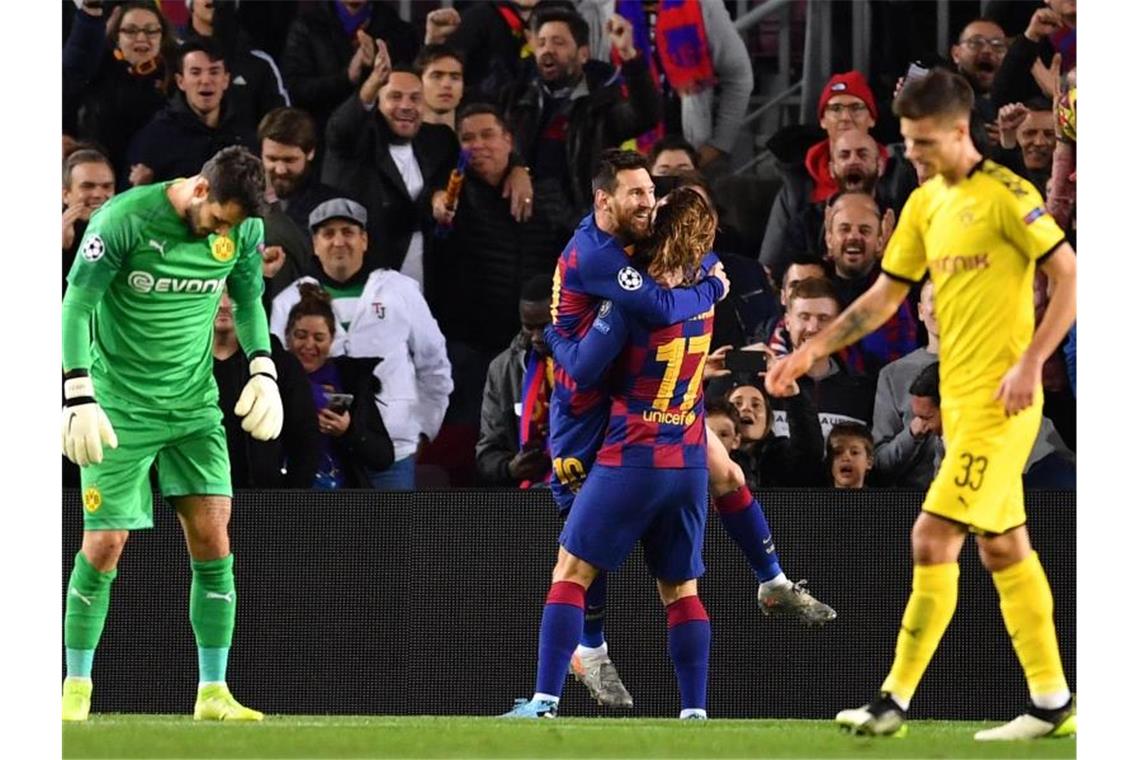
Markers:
(139, 390)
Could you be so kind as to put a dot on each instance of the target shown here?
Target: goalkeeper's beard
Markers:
(191, 218)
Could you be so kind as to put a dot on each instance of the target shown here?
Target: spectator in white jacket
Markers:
(379, 313)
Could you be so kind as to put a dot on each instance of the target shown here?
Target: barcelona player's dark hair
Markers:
(236, 175)
(612, 162)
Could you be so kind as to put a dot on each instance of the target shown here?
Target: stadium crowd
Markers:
(423, 180)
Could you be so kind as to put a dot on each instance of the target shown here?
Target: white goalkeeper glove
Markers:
(260, 402)
(85, 426)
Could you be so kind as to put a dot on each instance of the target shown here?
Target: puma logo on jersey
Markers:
(160, 247)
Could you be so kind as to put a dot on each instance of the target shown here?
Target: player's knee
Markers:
(573, 569)
(1001, 552)
(671, 592)
(102, 548)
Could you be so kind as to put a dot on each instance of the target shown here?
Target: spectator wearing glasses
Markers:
(115, 75)
(805, 156)
(977, 56)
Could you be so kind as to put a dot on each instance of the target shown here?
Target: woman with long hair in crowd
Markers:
(116, 75)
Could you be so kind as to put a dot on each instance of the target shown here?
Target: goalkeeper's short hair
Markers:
(237, 175)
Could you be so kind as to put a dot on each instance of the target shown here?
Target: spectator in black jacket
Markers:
(569, 111)
(487, 256)
(331, 47)
(197, 124)
(770, 460)
(381, 154)
(491, 36)
(441, 69)
(256, 85)
(114, 83)
(352, 440)
(978, 56)
(288, 461)
(500, 458)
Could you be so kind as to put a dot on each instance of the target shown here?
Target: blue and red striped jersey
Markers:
(657, 414)
(593, 267)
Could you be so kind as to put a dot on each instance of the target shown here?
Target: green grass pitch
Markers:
(168, 736)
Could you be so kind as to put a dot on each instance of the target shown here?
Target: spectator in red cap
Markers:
(846, 103)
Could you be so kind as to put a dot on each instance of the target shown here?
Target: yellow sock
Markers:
(933, 597)
(1027, 606)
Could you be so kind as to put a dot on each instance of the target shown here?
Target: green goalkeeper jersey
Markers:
(153, 288)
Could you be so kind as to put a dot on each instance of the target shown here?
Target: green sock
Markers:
(88, 598)
(213, 602)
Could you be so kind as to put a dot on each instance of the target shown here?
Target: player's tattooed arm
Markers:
(864, 316)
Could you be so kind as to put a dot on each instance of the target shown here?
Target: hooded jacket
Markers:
(603, 118)
(176, 142)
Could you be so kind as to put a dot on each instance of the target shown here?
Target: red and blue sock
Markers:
(558, 635)
(746, 525)
(593, 634)
(690, 637)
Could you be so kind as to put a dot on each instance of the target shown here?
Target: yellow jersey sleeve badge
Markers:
(222, 249)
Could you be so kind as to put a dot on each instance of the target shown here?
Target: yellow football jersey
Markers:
(980, 240)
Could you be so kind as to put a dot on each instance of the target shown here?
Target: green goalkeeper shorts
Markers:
(188, 447)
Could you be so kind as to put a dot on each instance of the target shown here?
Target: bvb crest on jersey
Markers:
(222, 248)
(92, 499)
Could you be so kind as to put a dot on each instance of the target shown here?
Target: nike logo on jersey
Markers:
(79, 596)
(160, 247)
(226, 597)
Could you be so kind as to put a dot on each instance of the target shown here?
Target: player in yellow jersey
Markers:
(981, 232)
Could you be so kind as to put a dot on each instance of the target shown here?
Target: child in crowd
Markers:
(850, 455)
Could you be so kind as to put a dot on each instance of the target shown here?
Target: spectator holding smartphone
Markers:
(769, 460)
(353, 439)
